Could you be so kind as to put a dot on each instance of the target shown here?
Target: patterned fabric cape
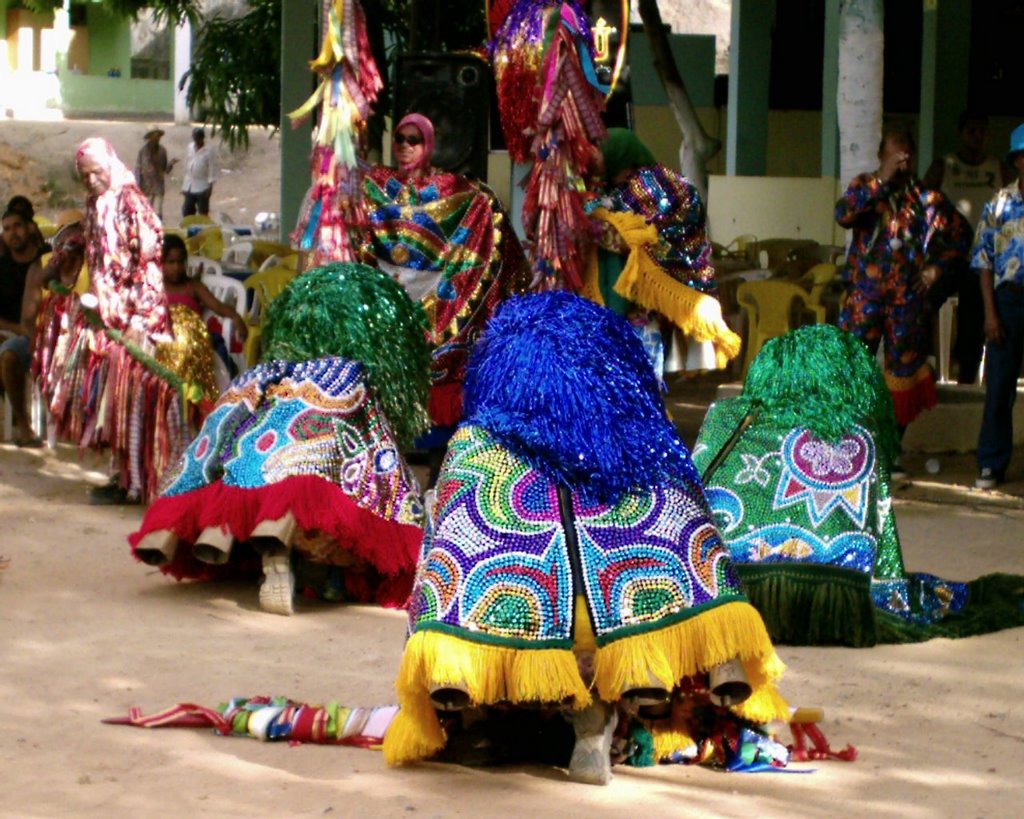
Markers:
(810, 526)
(450, 227)
(495, 610)
(310, 439)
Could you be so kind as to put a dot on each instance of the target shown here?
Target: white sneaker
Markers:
(987, 479)
(278, 589)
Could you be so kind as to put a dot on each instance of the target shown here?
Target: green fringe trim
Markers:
(812, 604)
(994, 602)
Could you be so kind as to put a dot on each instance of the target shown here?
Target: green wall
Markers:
(110, 42)
(85, 94)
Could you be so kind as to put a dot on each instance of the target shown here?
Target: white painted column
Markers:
(859, 108)
(182, 62)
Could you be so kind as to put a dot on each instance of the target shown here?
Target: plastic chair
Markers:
(266, 286)
(231, 292)
(210, 242)
(196, 219)
(773, 308)
(199, 267)
(239, 253)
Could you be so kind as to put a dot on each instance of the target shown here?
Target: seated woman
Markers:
(573, 561)
(192, 356)
(653, 252)
(797, 475)
(298, 466)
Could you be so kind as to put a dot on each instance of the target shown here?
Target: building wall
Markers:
(109, 42)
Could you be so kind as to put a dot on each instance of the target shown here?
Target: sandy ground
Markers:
(86, 632)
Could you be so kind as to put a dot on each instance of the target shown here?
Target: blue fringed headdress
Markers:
(566, 384)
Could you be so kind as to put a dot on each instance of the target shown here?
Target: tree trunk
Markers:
(695, 147)
(859, 102)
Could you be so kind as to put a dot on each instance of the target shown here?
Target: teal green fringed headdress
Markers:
(357, 312)
(822, 378)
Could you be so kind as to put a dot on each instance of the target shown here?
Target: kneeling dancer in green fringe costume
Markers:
(796, 469)
(298, 467)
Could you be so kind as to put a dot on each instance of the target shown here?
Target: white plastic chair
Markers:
(238, 254)
(949, 306)
(199, 267)
(231, 292)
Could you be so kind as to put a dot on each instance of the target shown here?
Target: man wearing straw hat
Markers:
(999, 256)
(151, 166)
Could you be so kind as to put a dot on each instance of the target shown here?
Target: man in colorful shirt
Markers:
(904, 238)
(998, 253)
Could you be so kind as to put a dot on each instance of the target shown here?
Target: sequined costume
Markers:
(568, 512)
(105, 386)
(190, 353)
(896, 233)
(802, 499)
(317, 436)
(450, 243)
(653, 249)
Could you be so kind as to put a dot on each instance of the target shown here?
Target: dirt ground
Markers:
(86, 633)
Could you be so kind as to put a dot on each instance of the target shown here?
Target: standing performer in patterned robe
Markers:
(573, 560)
(797, 474)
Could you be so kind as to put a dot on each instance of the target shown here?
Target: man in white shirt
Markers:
(200, 174)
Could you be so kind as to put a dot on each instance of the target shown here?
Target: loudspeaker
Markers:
(454, 92)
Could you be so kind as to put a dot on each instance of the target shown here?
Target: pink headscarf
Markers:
(426, 129)
(103, 154)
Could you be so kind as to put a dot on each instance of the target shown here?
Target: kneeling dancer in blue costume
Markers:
(571, 559)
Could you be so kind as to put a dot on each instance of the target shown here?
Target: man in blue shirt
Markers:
(999, 257)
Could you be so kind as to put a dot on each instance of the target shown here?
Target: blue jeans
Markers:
(19, 346)
(1002, 366)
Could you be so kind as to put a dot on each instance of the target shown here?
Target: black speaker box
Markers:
(454, 92)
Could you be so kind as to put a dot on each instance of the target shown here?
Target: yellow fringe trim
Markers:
(669, 737)
(643, 281)
(488, 673)
(591, 288)
(695, 645)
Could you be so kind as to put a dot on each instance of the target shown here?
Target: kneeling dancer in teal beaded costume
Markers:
(299, 464)
(573, 560)
(796, 469)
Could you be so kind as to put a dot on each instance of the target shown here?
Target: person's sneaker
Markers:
(898, 472)
(278, 590)
(591, 761)
(987, 478)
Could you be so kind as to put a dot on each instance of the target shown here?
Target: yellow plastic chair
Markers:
(266, 286)
(773, 308)
(197, 219)
(208, 243)
(817, 279)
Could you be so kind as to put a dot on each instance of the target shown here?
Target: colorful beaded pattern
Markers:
(498, 563)
(281, 419)
(787, 496)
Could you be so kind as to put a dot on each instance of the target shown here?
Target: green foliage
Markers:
(234, 79)
(172, 11)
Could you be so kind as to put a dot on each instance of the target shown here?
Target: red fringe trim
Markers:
(911, 402)
(445, 404)
(391, 548)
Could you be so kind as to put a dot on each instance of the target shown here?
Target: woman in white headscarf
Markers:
(107, 384)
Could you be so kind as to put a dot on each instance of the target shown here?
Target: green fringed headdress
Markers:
(822, 378)
(357, 312)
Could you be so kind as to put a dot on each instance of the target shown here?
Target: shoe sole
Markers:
(277, 593)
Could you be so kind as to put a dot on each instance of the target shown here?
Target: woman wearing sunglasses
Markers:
(448, 241)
